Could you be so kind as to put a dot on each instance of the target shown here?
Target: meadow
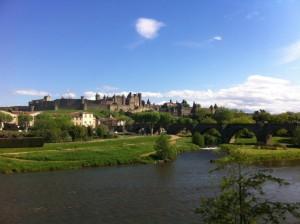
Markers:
(74, 155)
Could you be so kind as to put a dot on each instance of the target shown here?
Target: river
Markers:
(166, 193)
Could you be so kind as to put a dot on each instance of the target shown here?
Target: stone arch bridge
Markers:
(263, 132)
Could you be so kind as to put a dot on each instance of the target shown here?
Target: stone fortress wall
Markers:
(130, 102)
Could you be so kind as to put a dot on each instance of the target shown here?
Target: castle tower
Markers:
(97, 97)
(47, 98)
(123, 100)
(140, 99)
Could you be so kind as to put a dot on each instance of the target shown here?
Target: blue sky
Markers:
(181, 49)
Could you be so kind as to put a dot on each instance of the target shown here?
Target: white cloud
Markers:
(257, 92)
(198, 44)
(107, 88)
(291, 53)
(148, 28)
(31, 92)
(217, 38)
(69, 95)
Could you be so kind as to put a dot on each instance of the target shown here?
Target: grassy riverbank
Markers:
(74, 155)
(251, 154)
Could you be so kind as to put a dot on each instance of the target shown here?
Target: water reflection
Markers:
(162, 193)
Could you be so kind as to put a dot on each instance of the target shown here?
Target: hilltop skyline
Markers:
(243, 55)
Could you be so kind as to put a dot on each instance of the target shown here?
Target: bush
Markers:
(164, 149)
(211, 140)
(78, 133)
(245, 133)
(296, 136)
(282, 132)
(198, 139)
(212, 137)
(102, 131)
(21, 142)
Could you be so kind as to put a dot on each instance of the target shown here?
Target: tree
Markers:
(102, 131)
(198, 139)
(223, 115)
(208, 120)
(53, 127)
(202, 114)
(296, 136)
(149, 119)
(4, 118)
(212, 137)
(242, 200)
(78, 133)
(282, 132)
(242, 120)
(262, 116)
(165, 120)
(24, 121)
(164, 149)
(184, 103)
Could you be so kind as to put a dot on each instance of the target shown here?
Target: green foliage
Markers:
(212, 137)
(208, 120)
(261, 155)
(245, 133)
(242, 120)
(186, 121)
(198, 139)
(164, 149)
(102, 131)
(242, 200)
(78, 133)
(202, 114)
(165, 120)
(147, 118)
(262, 116)
(73, 155)
(296, 137)
(282, 132)
(4, 118)
(223, 115)
(21, 142)
(48, 121)
(24, 120)
(53, 127)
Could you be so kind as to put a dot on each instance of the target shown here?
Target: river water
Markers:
(156, 194)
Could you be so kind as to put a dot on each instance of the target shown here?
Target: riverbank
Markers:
(252, 155)
(75, 155)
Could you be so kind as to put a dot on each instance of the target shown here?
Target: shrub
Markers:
(164, 149)
(198, 139)
(296, 136)
(282, 132)
(211, 140)
(212, 137)
(102, 131)
(78, 133)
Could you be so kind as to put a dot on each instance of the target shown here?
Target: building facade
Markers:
(84, 119)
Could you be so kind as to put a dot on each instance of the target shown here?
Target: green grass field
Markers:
(56, 156)
(250, 154)
(252, 141)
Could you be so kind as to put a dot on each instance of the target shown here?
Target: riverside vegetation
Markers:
(73, 146)
(74, 155)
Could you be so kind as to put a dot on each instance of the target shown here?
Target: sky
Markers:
(236, 53)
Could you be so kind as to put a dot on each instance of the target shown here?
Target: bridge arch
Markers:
(230, 132)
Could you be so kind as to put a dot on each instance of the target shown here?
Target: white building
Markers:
(84, 119)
